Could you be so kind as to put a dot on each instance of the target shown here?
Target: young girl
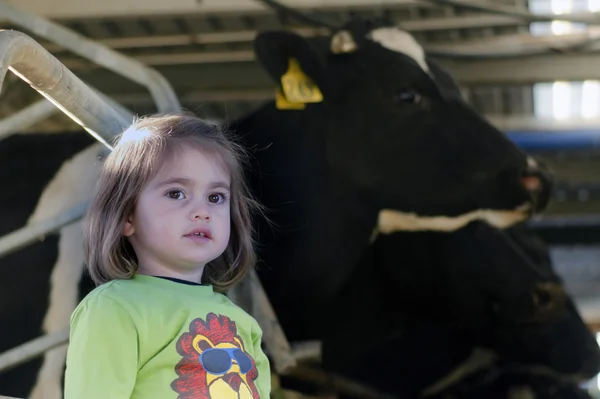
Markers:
(171, 212)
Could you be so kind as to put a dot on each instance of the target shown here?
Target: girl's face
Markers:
(182, 218)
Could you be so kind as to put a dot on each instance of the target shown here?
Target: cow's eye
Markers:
(407, 96)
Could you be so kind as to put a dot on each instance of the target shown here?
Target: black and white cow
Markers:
(384, 149)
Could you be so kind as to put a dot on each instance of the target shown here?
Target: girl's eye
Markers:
(217, 198)
(175, 194)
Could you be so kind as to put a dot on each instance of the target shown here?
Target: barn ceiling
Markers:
(204, 49)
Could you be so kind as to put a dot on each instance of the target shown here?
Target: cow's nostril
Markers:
(542, 299)
(532, 183)
(548, 297)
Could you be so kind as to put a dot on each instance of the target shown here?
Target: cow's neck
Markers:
(321, 226)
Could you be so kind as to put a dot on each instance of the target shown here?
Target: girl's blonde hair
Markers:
(134, 161)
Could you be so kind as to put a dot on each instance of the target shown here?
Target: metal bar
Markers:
(250, 296)
(78, 10)
(162, 92)
(43, 109)
(241, 36)
(26, 117)
(274, 336)
(338, 383)
(307, 351)
(32, 349)
(23, 237)
(42, 71)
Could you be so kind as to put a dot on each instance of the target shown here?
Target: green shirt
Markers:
(150, 337)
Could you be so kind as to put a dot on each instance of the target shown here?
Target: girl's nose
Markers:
(201, 213)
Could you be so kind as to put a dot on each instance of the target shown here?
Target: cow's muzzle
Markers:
(538, 181)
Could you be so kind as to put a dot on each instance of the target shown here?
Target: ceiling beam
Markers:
(526, 70)
(69, 9)
(241, 36)
(521, 70)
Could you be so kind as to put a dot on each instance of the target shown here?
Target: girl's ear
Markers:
(128, 228)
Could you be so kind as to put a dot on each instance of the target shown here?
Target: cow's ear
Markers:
(293, 65)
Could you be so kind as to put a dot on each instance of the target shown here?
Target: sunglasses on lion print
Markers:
(220, 360)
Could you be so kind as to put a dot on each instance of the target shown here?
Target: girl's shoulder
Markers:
(240, 313)
(106, 293)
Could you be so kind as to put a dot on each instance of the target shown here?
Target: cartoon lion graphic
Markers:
(215, 363)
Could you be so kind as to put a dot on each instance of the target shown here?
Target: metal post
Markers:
(162, 92)
(32, 63)
(26, 117)
(21, 238)
(43, 109)
(32, 349)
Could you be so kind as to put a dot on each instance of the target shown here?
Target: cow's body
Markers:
(451, 307)
(385, 137)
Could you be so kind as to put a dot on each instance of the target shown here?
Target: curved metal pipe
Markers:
(42, 71)
(163, 94)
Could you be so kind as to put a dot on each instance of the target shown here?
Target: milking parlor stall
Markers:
(432, 169)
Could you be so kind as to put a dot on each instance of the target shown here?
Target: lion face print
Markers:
(214, 362)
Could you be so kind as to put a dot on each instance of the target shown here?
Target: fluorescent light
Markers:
(561, 100)
(561, 6)
(590, 99)
(561, 27)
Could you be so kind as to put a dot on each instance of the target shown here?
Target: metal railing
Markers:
(162, 93)
(164, 96)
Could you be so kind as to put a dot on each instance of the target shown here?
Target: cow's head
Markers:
(398, 130)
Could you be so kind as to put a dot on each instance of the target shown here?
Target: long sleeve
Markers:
(102, 357)
(263, 382)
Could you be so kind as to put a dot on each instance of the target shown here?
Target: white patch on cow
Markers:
(400, 41)
(343, 43)
(72, 185)
(532, 163)
(391, 221)
(479, 359)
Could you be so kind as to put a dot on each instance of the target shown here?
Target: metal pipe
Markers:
(21, 238)
(32, 349)
(26, 117)
(43, 109)
(31, 62)
(162, 92)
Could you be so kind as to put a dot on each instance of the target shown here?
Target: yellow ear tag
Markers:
(298, 87)
(282, 103)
